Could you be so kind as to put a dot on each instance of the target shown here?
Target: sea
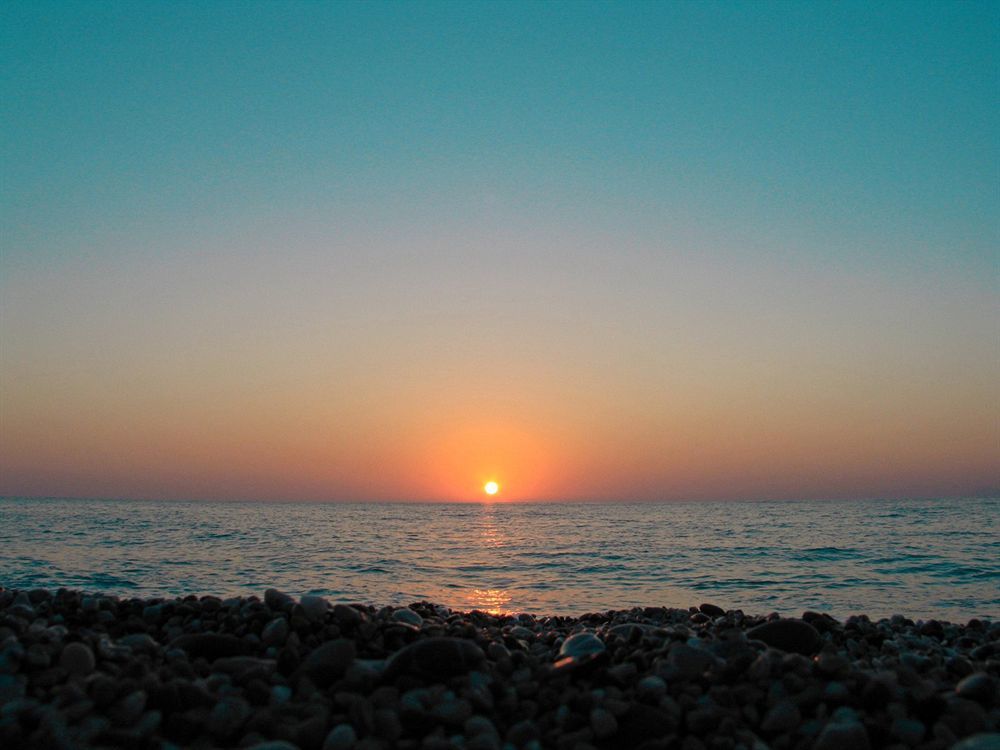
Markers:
(919, 558)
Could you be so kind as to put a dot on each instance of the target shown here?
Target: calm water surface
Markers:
(923, 558)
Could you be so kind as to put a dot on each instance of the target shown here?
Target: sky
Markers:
(391, 251)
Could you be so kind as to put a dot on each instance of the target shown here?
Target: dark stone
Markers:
(712, 610)
(641, 723)
(211, 645)
(793, 636)
(327, 663)
(978, 687)
(436, 658)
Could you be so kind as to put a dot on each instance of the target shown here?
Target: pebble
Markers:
(327, 663)
(978, 687)
(285, 675)
(793, 636)
(436, 658)
(603, 723)
(275, 632)
(407, 616)
(346, 616)
(341, 737)
(77, 659)
(843, 735)
(278, 600)
(685, 662)
(211, 645)
(650, 689)
(315, 607)
(983, 741)
(782, 717)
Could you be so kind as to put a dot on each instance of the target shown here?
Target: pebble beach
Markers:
(275, 672)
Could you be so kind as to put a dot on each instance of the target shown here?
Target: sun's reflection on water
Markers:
(494, 601)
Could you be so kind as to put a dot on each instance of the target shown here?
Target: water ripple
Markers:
(923, 558)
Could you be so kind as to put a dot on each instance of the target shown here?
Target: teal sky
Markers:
(552, 214)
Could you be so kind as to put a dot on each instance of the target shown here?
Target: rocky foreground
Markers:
(79, 670)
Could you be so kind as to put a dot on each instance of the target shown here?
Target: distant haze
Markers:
(590, 251)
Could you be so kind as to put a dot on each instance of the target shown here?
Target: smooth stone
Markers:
(274, 745)
(275, 632)
(711, 610)
(227, 717)
(908, 731)
(582, 645)
(346, 615)
(341, 737)
(407, 616)
(641, 723)
(792, 636)
(12, 688)
(77, 659)
(479, 725)
(686, 662)
(239, 666)
(650, 689)
(985, 741)
(328, 662)
(522, 633)
(603, 723)
(278, 600)
(315, 607)
(840, 735)
(139, 642)
(978, 687)
(781, 718)
(436, 658)
(210, 645)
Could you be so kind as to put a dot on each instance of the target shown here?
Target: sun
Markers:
(491, 488)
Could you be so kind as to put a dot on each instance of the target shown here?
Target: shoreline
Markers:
(275, 672)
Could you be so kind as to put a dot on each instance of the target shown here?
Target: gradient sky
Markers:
(390, 251)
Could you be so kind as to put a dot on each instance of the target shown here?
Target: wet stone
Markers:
(712, 610)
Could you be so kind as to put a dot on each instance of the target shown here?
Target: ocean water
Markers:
(921, 558)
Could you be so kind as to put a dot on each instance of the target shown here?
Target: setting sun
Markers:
(491, 488)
